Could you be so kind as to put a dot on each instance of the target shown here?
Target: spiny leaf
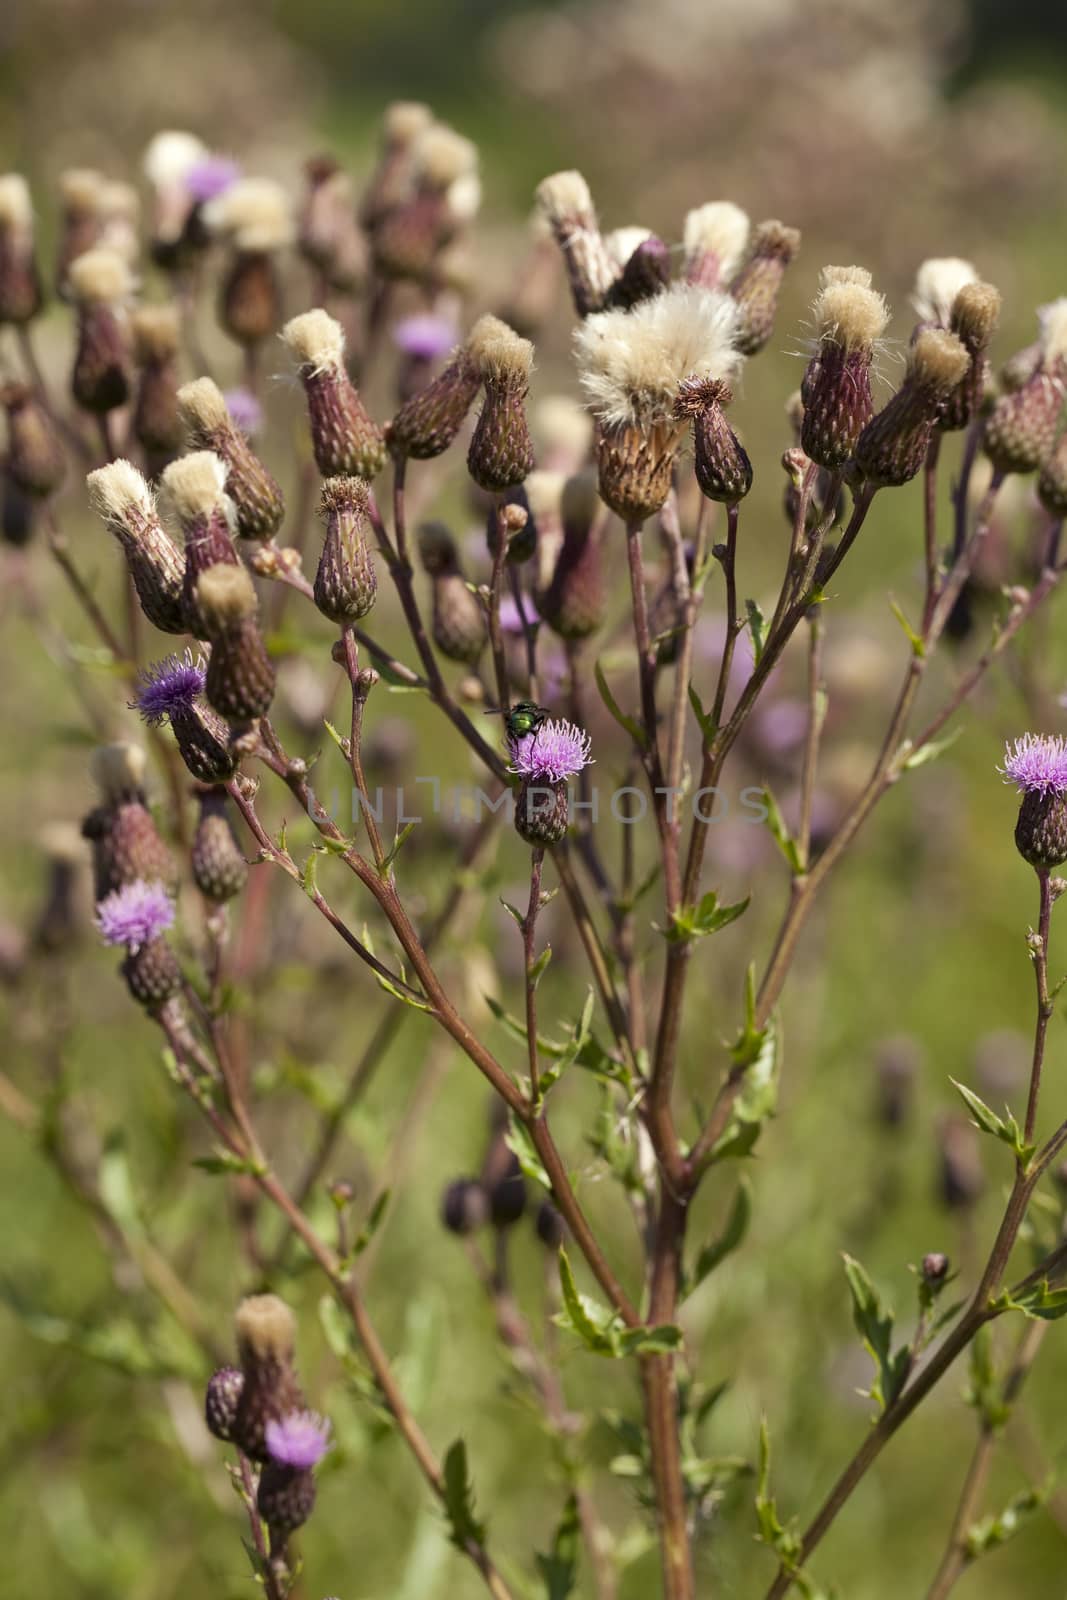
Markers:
(632, 726)
(463, 1525)
(1006, 1129)
(874, 1324)
(559, 1568)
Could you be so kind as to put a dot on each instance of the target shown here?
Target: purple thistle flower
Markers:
(245, 410)
(135, 914)
(557, 751)
(169, 686)
(425, 336)
(511, 617)
(210, 177)
(1037, 764)
(299, 1440)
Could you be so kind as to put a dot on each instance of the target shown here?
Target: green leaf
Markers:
(371, 1226)
(399, 841)
(756, 627)
(784, 1541)
(559, 1568)
(708, 725)
(696, 922)
(874, 1324)
(1038, 1301)
(224, 1161)
(1006, 1129)
(522, 1147)
(459, 1498)
(539, 967)
(780, 833)
(917, 646)
(402, 994)
(756, 1057)
(931, 750)
(658, 1341)
(995, 1530)
(729, 1239)
(309, 874)
(632, 726)
(983, 1390)
(339, 740)
(116, 1188)
(592, 1322)
(569, 1053)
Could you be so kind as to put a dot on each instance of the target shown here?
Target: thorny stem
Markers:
(957, 1557)
(529, 930)
(982, 1308)
(360, 689)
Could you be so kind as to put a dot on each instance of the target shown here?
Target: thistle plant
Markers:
(618, 543)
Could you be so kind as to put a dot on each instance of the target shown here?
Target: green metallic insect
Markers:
(522, 718)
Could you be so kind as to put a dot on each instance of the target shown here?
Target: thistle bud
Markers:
(1022, 426)
(327, 233)
(403, 124)
(755, 288)
(408, 238)
(567, 205)
(458, 621)
(195, 488)
(18, 513)
(961, 1180)
(501, 452)
(934, 1269)
(156, 423)
(514, 515)
(645, 272)
(894, 444)
(550, 1226)
(715, 242)
(266, 1332)
(973, 320)
(345, 439)
(21, 295)
(723, 469)
(632, 366)
(58, 922)
(100, 282)
(285, 1500)
(220, 871)
(153, 975)
(345, 582)
(34, 456)
(221, 1400)
(80, 189)
(240, 675)
(836, 393)
(504, 1184)
(254, 215)
(574, 603)
(120, 495)
(464, 1206)
(257, 500)
(1052, 482)
(126, 846)
(427, 423)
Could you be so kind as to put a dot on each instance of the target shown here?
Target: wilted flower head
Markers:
(168, 686)
(299, 1440)
(135, 914)
(1037, 764)
(556, 752)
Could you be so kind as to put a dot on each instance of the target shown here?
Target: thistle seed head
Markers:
(714, 241)
(937, 283)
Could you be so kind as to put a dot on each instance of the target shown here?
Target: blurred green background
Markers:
(887, 134)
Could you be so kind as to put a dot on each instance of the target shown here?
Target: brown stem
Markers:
(529, 929)
(360, 689)
(661, 1405)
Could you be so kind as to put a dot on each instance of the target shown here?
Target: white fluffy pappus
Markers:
(100, 277)
(718, 228)
(118, 769)
(169, 155)
(622, 242)
(202, 405)
(937, 283)
(117, 489)
(255, 213)
(849, 313)
(440, 156)
(16, 206)
(565, 198)
(194, 485)
(498, 352)
(1052, 320)
(316, 339)
(631, 363)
